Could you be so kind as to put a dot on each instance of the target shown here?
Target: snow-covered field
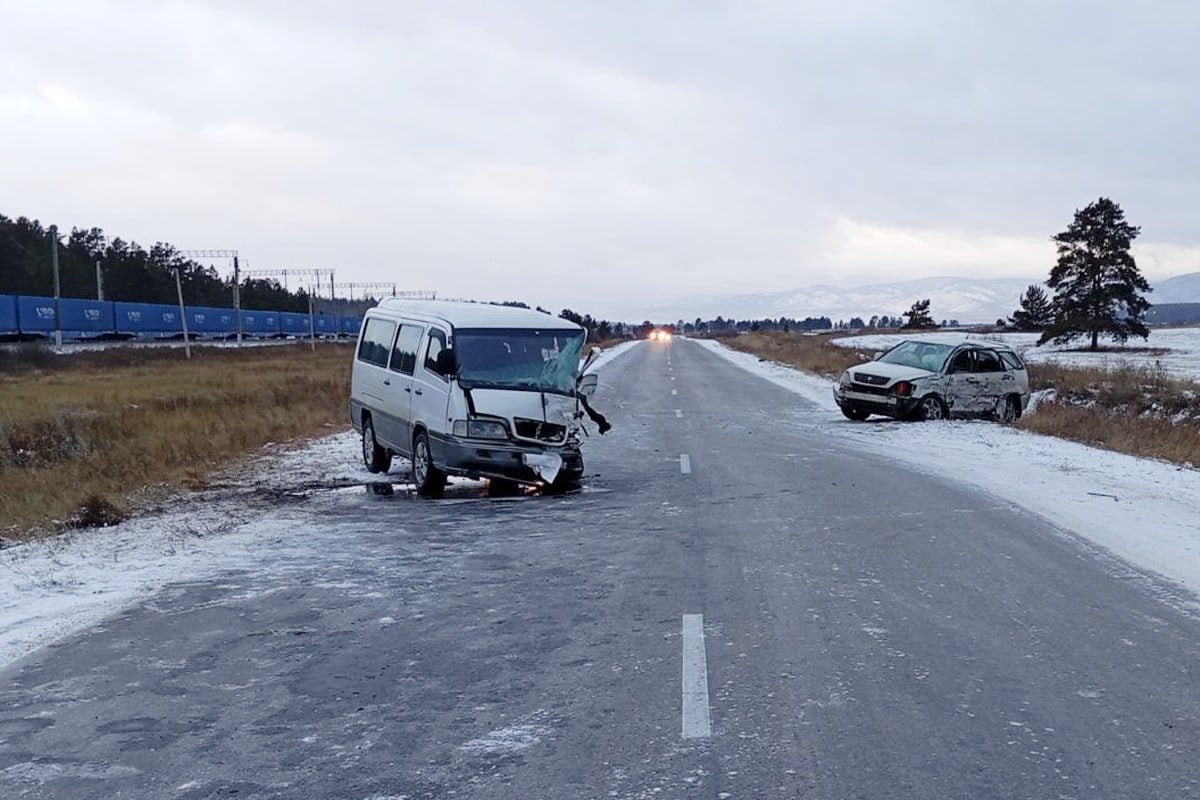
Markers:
(1145, 512)
(51, 587)
(1175, 350)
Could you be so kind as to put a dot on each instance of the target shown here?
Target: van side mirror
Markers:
(446, 363)
(587, 384)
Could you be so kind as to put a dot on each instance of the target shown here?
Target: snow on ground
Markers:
(1140, 510)
(52, 587)
(1175, 350)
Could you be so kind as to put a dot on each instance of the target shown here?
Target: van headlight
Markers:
(480, 429)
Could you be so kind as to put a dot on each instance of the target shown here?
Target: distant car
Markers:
(928, 379)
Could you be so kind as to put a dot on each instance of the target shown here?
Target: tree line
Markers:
(130, 272)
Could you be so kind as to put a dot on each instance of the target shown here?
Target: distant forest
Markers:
(130, 272)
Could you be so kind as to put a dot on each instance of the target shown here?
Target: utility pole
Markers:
(187, 342)
(57, 295)
(237, 279)
(237, 298)
(99, 282)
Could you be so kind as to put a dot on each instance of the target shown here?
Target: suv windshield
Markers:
(922, 355)
(522, 358)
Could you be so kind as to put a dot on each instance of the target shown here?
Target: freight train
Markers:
(24, 318)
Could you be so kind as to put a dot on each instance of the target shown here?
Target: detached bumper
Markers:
(484, 459)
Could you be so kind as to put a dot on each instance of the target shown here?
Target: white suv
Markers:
(928, 379)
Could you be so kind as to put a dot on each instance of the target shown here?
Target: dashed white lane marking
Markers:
(674, 392)
(672, 377)
(696, 723)
(678, 412)
(685, 464)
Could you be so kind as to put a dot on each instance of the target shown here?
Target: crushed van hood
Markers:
(508, 404)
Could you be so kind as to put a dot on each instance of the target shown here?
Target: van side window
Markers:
(404, 354)
(437, 343)
(376, 342)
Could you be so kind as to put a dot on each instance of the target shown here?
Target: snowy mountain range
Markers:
(967, 300)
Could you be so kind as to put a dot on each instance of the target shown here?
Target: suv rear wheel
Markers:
(1011, 410)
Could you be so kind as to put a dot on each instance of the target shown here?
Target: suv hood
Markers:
(509, 404)
(893, 372)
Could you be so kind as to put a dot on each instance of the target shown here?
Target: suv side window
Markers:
(987, 361)
(1011, 360)
(961, 362)
(376, 342)
(437, 343)
(404, 354)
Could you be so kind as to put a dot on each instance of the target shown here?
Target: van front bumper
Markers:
(475, 458)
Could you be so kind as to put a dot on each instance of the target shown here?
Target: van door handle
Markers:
(387, 382)
(408, 388)
(417, 391)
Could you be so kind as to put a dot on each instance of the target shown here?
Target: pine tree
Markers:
(1035, 312)
(1096, 280)
(918, 316)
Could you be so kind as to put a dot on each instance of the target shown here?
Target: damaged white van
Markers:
(471, 389)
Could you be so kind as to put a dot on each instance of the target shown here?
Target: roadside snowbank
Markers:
(1145, 512)
(52, 587)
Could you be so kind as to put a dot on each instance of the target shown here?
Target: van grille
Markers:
(540, 431)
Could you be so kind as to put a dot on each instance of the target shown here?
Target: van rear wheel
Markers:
(430, 481)
(377, 459)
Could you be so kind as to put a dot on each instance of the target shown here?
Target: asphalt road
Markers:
(736, 607)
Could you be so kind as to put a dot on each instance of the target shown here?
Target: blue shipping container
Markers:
(147, 319)
(260, 323)
(35, 314)
(350, 325)
(83, 318)
(326, 325)
(211, 321)
(294, 324)
(8, 314)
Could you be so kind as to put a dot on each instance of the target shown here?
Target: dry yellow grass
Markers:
(126, 428)
(812, 353)
(1128, 410)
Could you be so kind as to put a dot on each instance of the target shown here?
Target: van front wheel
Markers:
(377, 459)
(430, 481)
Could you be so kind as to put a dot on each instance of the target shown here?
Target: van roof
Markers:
(459, 314)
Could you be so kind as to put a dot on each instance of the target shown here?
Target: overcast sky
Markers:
(579, 154)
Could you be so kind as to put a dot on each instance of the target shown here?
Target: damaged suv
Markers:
(929, 379)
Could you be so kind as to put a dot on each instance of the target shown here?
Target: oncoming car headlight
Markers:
(480, 429)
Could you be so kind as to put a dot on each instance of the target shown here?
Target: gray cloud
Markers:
(492, 149)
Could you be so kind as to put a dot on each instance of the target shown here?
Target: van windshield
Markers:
(521, 358)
